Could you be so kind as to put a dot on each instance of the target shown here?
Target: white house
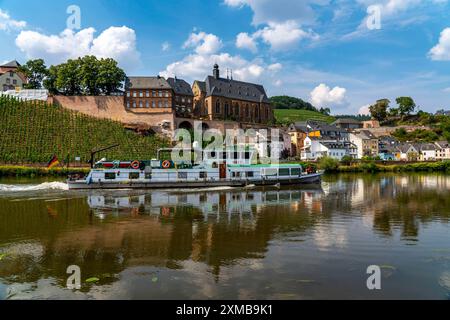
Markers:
(316, 148)
(442, 150)
(428, 152)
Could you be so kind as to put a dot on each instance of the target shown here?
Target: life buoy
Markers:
(166, 164)
(135, 164)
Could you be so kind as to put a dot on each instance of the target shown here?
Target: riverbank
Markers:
(373, 167)
(27, 171)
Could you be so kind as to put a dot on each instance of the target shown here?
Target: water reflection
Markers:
(229, 243)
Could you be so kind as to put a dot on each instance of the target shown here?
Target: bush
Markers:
(329, 164)
(347, 160)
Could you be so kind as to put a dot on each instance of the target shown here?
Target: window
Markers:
(141, 94)
(250, 174)
(110, 175)
(203, 175)
(159, 104)
(284, 172)
(183, 100)
(160, 93)
(166, 94)
(128, 104)
(212, 155)
(247, 111)
(133, 175)
(147, 93)
(147, 104)
(246, 155)
(128, 94)
(153, 104)
(218, 107)
(11, 74)
(141, 104)
(134, 93)
(8, 81)
(134, 104)
(236, 175)
(271, 172)
(295, 171)
(166, 104)
(153, 93)
(189, 100)
(182, 175)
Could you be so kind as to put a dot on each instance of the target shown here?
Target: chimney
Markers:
(216, 72)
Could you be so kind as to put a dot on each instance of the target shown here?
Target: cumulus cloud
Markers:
(118, 43)
(282, 36)
(323, 96)
(245, 41)
(441, 51)
(7, 23)
(198, 63)
(364, 110)
(204, 43)
(267, 11)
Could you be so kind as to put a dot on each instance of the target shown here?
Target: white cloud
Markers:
(8, 24)
(198, 64)
(268, 11)
(204, 43)
(364, 110)
(441, 51)
(282, 36)
(244, 41)
(323, 96)
(118, 43)
(165, 46)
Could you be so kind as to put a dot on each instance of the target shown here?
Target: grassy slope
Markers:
(33, 132)
(286, 116)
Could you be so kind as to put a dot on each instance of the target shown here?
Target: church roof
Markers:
(237, 90)
(147, 83)
(180, 86)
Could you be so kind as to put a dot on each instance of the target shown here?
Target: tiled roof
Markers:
(147, 83)
(180, 87)
(11, 64)
(201, 85)
(234, 89)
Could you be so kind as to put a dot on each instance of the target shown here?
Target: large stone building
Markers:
(158, 95)
(219, 98)
(10, 78)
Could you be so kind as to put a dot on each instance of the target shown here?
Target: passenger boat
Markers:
(217, 169)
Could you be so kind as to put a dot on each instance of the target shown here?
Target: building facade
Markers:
(366, 143)
(183, 97)
(148, 95)
(219, 98)
(10, 78)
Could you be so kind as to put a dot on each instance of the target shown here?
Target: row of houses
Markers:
(312, 140)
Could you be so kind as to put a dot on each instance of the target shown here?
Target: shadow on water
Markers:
(293, 243)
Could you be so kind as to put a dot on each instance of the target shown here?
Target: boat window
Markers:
(148, 175)
(236, 174)
(250, 174)
(224, 155)
(295, 171)
(182, 175)
(284, 172)
(133, 175)
(212, 155)
(271, 172)
(246, 155)
(110, 175)
(203, 175)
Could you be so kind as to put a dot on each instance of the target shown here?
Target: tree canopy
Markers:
(378, 110)
(287, 102)
(83, 76)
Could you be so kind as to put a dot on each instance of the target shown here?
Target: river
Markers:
(308, 242)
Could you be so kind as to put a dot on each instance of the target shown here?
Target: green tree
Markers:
(50, 81)
(287, 102)
(35, 71)
(110, 76)
(88, 75)
(406, 105)
(378, 111)
(68, 80)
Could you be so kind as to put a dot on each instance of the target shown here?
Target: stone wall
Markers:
(112, 107)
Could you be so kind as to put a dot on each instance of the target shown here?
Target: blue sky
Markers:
(335, 53)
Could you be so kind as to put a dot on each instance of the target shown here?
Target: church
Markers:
(219, 98)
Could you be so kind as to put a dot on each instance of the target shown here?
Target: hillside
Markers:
(287, 116)
(32, 132)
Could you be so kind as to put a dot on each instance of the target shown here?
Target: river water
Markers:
(309, 242)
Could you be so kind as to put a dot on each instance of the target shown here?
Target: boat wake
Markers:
(42, 186)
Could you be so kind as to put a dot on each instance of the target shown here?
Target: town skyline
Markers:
(321, 52)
